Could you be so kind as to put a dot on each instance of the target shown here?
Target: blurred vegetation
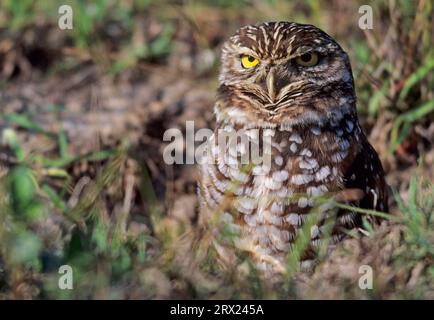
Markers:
(50, 216)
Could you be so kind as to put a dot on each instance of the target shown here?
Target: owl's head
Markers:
(283, 73)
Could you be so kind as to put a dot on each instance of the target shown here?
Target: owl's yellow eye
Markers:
(249, 62)
(307, 60)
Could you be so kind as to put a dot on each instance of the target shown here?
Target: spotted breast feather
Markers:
(267, 203)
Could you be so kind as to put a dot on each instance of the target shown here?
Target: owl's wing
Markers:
(365, 173)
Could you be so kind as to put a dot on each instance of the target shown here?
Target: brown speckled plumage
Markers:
(316, 143)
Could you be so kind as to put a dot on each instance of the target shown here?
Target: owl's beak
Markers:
(270, 81)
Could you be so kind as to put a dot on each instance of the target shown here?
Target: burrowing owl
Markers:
(293, 84)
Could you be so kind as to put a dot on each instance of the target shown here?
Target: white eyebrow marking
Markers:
(277, 30)
(277, 43)
(279, 38)
(266, 40)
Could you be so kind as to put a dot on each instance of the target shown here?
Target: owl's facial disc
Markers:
(276, 75)
(284, 71)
